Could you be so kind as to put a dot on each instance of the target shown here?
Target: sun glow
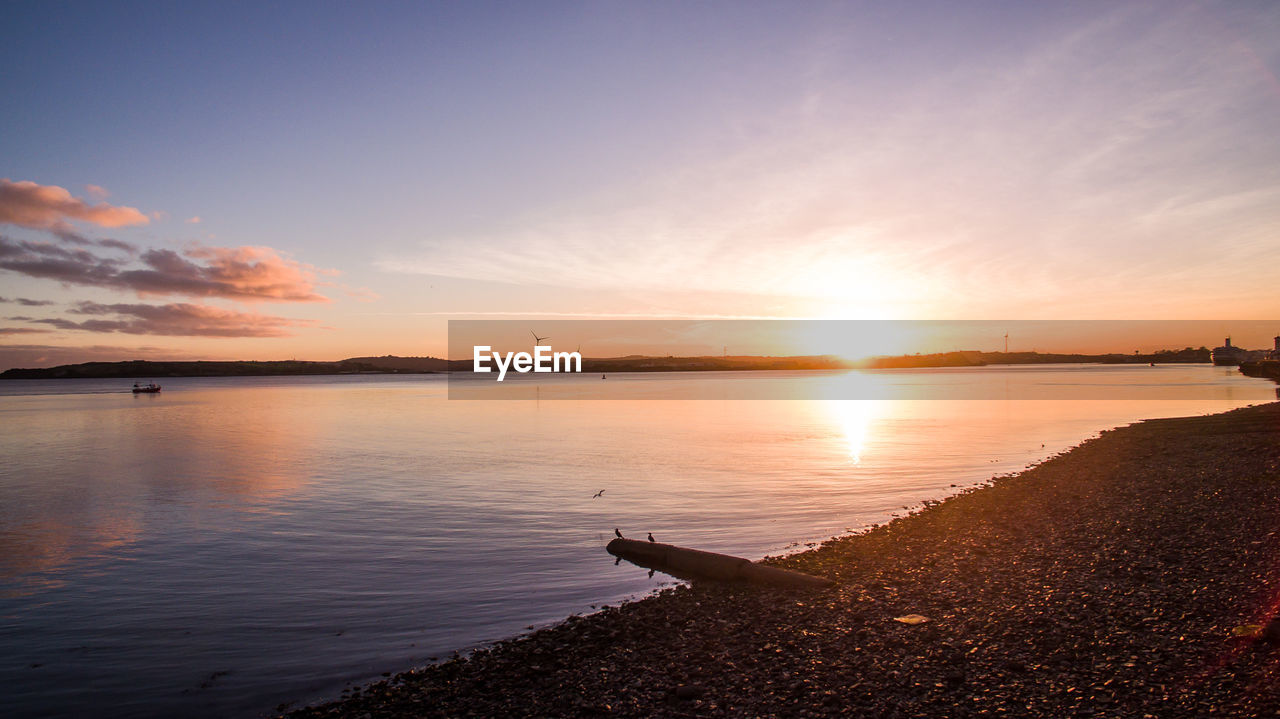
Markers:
(853, 340)
(854, 418)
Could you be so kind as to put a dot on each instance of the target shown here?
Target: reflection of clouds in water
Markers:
(30, 550)
(86, 469)
(255, 452)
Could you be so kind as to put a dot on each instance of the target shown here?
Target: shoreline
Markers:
(1132, 575)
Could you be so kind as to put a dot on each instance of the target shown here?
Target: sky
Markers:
(321, 180)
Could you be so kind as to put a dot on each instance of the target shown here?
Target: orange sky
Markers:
(1092, 161)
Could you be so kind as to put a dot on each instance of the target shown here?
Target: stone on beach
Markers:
(911, 619)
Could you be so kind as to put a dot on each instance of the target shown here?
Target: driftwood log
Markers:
(695, 564)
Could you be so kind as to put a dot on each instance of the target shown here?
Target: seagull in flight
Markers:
(536, 339)
(597, 494)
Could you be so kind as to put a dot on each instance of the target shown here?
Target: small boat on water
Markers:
(148, 388)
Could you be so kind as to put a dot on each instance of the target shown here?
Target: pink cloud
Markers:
(43, 207)
(244, 273)
(194, 220)
(250, 274)
(97, 192)
(179, 319)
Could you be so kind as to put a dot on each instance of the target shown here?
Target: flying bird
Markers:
(536, 339)
(615, 531)
(597, 494)
(651, 536)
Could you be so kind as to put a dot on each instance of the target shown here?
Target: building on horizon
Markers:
(1227, 355)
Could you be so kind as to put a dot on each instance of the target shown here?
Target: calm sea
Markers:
(233, 544)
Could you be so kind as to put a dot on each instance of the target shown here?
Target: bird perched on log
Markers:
(651, 536)
(615, 531)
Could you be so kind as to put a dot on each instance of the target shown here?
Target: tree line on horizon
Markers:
(391, 364)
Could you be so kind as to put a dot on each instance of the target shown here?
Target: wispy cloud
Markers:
(655, 315)
(1092, 168)
(21, 330)
(179, 319)
(240, 273)
(360, 294)
(68, 234)
(243, 273)
(26, 302)
(43, 207)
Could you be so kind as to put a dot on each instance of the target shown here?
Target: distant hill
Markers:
(390, 364)
(974, 358)
(401, 364)
(638, 363)
(153, 369)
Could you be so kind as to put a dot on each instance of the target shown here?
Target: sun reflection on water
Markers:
(854, 417)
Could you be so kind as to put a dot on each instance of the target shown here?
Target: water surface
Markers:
(236, 543)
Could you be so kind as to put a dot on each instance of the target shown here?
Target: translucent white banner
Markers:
(862, 359)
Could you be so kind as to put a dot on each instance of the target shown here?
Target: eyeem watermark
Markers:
(543, 359)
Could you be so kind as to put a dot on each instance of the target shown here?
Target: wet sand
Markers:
(1135, 576)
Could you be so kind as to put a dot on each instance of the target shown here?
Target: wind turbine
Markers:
(536, 339)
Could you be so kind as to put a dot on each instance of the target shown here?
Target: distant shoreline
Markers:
(390, 364)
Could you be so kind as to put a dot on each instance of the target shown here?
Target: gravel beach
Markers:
(1137, 575)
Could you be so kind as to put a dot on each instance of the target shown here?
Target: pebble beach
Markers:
(1136, 575)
